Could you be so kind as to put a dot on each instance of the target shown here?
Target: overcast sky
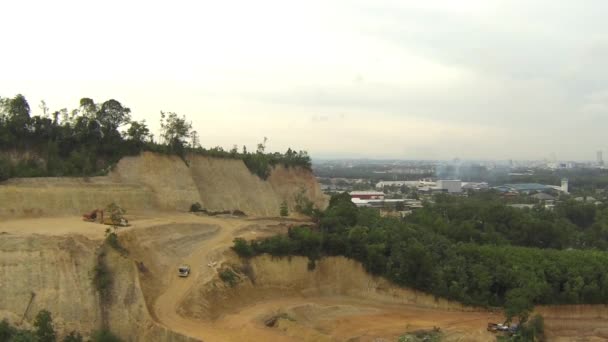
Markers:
(377, 78)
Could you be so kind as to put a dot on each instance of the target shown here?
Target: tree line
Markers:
(484, 266)
(90, 139)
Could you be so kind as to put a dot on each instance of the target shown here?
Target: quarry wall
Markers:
(153, 181)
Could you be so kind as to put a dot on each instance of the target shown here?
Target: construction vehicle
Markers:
(93, 216)
(123, 222)
(183, 270)
(496, 327)
(97, 215)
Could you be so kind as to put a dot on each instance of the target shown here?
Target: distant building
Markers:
(541, 196)
(475, 185)
(389, 204)
(523, 187)
(564, 187)
(451, 186)
(600, 158)
(367, 195)
(382, 184)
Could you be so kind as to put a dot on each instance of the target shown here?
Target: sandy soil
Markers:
(56, 226)
(331, 318)
(316, 311)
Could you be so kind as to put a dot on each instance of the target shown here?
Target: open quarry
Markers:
(48, 254)
(337, 301)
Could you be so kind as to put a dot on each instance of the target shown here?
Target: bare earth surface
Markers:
(337, 301)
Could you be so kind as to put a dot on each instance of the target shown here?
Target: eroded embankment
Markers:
(290, 277)
(58, 271)
(153, 181)
(575, 322)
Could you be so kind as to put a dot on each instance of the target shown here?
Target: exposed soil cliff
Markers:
(160, 182)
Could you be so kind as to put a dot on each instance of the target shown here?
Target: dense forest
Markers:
(90, 139)
(475, 250)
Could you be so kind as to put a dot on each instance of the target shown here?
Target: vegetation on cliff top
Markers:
(90, 139)
(475, 250)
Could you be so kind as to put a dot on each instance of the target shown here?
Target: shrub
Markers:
(228, 276)
(242, 248)
(116, 214)
(6, 331)
(303, 204)
(112, 241)
(45, 332)
(196, 207)
(283, 209)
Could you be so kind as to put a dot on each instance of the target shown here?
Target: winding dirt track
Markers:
(350, 316)
(166, 306)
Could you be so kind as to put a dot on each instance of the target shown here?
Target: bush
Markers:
(228, 276)
(283, 209)
(112, 241)
(196, 207)
(303, 204)
(242, 248)
(116, 214)
(6, 331)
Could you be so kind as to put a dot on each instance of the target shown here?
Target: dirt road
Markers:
(316, 317)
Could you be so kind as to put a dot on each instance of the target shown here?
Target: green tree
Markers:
(112, 115)
(88, 108)
(175, 131)
(139, 132)
(242, 248)
(45, 332)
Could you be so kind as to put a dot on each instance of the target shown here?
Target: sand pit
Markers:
(338, 301)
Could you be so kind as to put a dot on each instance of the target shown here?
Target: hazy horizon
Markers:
(485, 80)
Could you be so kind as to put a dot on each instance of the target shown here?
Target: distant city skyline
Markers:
(382, 79)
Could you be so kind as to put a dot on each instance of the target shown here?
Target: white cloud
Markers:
(463, 78)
